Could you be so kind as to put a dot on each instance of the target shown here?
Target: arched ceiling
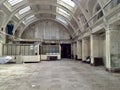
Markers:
(67, 12)
(43, 19)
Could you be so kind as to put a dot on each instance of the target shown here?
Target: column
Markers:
(74, 50)
(92, 49)
(107, 35)
(113, 48)
(79, 50)
(84, 49)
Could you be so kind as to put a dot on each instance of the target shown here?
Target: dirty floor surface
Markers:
(57, 75)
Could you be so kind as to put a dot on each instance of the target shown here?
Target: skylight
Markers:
(63, 12)
(69, 2)
(24, 10)
(62, 20)
(14, 2)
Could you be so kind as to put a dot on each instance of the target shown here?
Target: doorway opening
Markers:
(66, 51)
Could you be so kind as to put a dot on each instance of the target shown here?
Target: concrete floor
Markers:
(57, 75)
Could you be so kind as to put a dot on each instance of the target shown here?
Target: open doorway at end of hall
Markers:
(65, 50)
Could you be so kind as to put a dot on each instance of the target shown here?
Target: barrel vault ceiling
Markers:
(72, 14)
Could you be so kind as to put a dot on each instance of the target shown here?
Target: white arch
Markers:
(48, 13)
(35, 20)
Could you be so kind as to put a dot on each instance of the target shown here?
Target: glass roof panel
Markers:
(13, 2)
(63, 12)
(61, 19)
(69, 2)
(24, 10)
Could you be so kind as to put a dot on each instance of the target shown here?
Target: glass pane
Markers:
(32, 49)
(62, 20)
(26, 50)
(63, 12)
(18, 52)
(22, 50)
(69, 2)
(50, 49)
(13, 50)
(5, 49)
(13, 2)
(9, 49)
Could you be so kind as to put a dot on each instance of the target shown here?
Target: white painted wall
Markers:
(113, 48)
(86, 48)
(22, 58)
(46, 30)
(79, 49)
(31, 58)
(44, 57)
